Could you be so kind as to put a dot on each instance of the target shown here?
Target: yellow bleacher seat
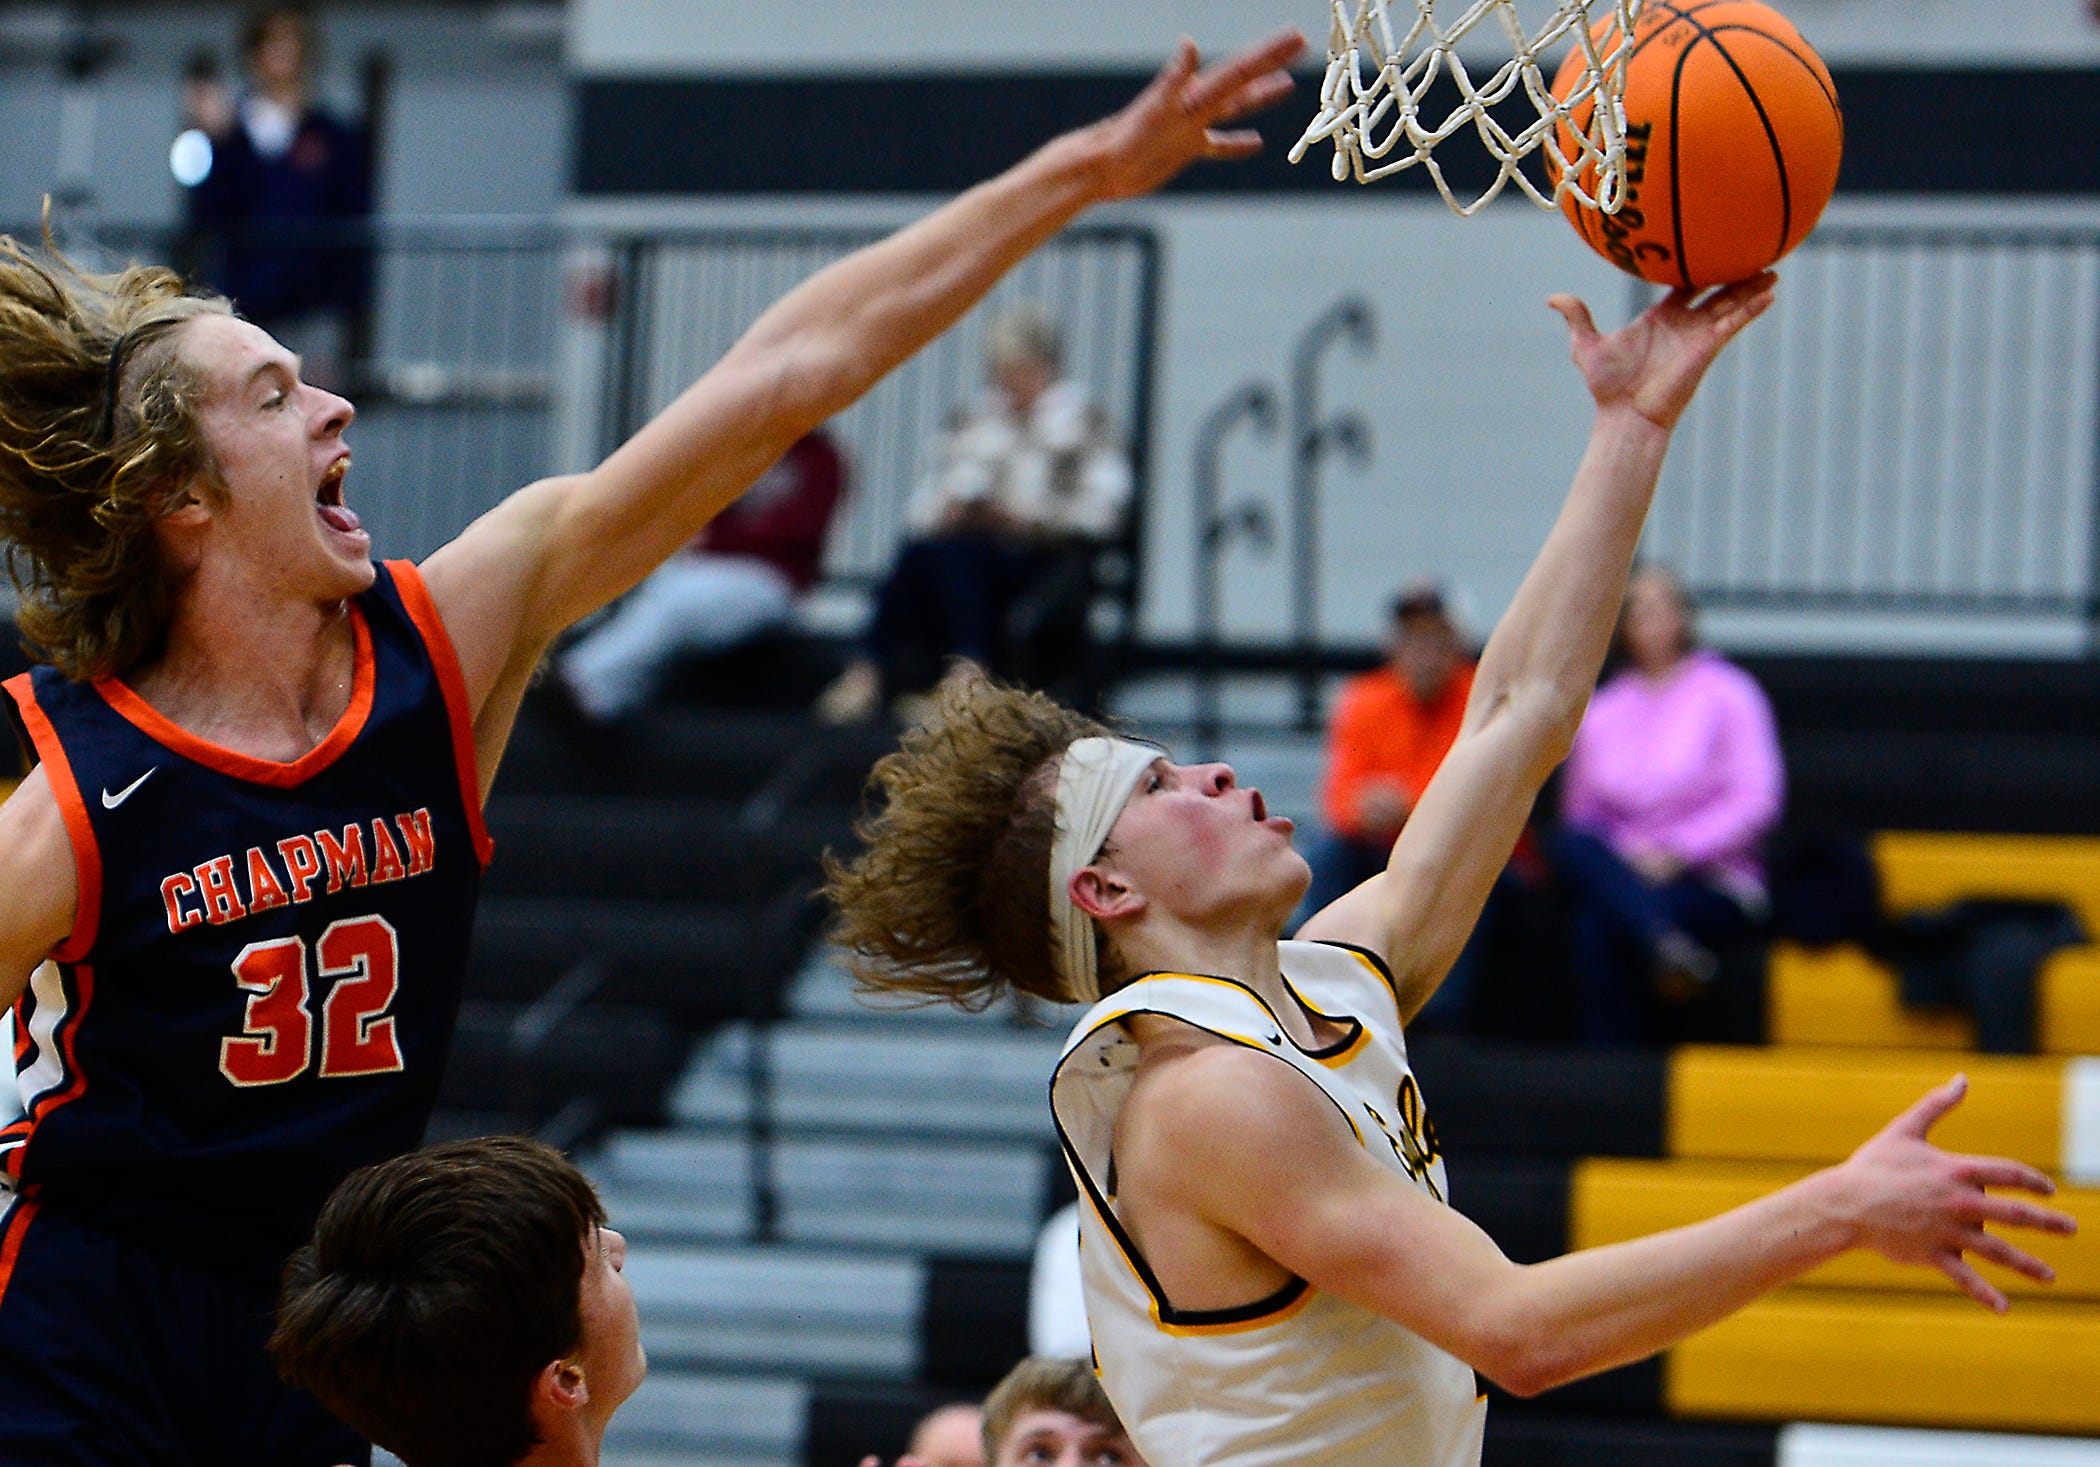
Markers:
(1925, 869)
(1611, 1200)
(1798, 1104)
(1841, 996)
(1821, 1355)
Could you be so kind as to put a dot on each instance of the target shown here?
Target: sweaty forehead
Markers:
(230, 351)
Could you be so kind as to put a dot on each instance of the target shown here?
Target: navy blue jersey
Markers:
(263, 978)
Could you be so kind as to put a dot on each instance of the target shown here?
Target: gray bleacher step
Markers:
(776, 1310)
(879, 1076)
(822, 989)
(717, 1420)
(958, 1197)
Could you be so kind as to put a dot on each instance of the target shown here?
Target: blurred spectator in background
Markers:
(738, 578)
(1391, 728)
(285, 186)
(1031, 472)
(1673, 784)
(1054, 1412)
(1045, 1413)
(949, 1436)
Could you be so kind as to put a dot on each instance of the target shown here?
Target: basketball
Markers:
(1733, 136)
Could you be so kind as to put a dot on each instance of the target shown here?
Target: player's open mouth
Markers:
(328, 499)
(1260, 809)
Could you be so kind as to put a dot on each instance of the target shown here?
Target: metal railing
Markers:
(1911, 428)
(684, 298)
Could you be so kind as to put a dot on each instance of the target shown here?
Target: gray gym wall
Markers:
(1476, 417)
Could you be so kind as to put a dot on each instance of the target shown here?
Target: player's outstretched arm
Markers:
(1261, 1153)
(1540, 665)
(562, 548)
(37, 874)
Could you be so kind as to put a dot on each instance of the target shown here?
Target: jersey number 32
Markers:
(363, 957)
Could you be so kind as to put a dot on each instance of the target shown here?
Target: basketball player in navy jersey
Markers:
(252, 842)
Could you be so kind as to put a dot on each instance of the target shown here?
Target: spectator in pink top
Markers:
(1674, 782)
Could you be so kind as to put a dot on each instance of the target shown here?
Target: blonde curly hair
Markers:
(99, 438)
(948, 898)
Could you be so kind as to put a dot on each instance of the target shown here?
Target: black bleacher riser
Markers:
(975, 1323)
(1999, 744)
(703, 962)
(1490, 1098)
(646, 848)
(1538, 1436)
(622, 1059)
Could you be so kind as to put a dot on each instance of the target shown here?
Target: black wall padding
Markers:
(1907, 131)
(847, 1422)
(1635, 1389)
(1538, 1101)
(1536, 1438)
(976, 1322)
(1521, 1204)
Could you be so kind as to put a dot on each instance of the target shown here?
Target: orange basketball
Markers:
(1732, 144)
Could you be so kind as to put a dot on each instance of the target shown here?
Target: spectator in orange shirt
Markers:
(1391, 729)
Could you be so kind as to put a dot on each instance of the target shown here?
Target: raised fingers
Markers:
(1929, 1107)
(1972, 1283)
(1994, 1249)
(1211, 92)
(2013, 1213)
(1998, 1171)
(1264, 91)
(1573, 311)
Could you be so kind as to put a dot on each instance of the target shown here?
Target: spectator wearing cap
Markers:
(1673, 784)
(1391, 728)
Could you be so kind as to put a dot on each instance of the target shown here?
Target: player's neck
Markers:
(267, 681)
(1245, 952)
(577, 1446)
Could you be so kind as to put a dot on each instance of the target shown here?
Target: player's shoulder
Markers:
(1194, 1079)
(36, 861)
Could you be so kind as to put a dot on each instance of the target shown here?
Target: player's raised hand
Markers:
(1655, 363)
(1914, 1203)
(1178, 118)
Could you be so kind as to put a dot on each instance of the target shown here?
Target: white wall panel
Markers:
(667, 37)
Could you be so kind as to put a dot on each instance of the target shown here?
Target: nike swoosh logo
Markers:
(111, 801)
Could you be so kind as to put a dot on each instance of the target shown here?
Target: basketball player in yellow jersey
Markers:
(1272, 1274)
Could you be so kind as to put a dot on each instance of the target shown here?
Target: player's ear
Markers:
(560, 1390)
(1103, 895)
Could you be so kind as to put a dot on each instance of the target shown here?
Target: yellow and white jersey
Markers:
(1302, 1377)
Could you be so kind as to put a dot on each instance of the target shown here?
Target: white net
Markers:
(1382, 67)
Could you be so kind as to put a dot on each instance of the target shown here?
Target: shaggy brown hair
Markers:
(90, 460)
(1037, 1384)
(949, 899)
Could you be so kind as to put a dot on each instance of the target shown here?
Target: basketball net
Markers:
(1371, 102)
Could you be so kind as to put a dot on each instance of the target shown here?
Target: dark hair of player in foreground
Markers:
(461, 1306)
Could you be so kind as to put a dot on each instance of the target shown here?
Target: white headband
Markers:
(1093, 783)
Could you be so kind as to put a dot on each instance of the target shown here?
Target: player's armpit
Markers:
(1244, 1141)
(37, 873)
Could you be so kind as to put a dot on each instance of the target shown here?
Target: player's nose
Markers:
(334, 413)
(1214, 779)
